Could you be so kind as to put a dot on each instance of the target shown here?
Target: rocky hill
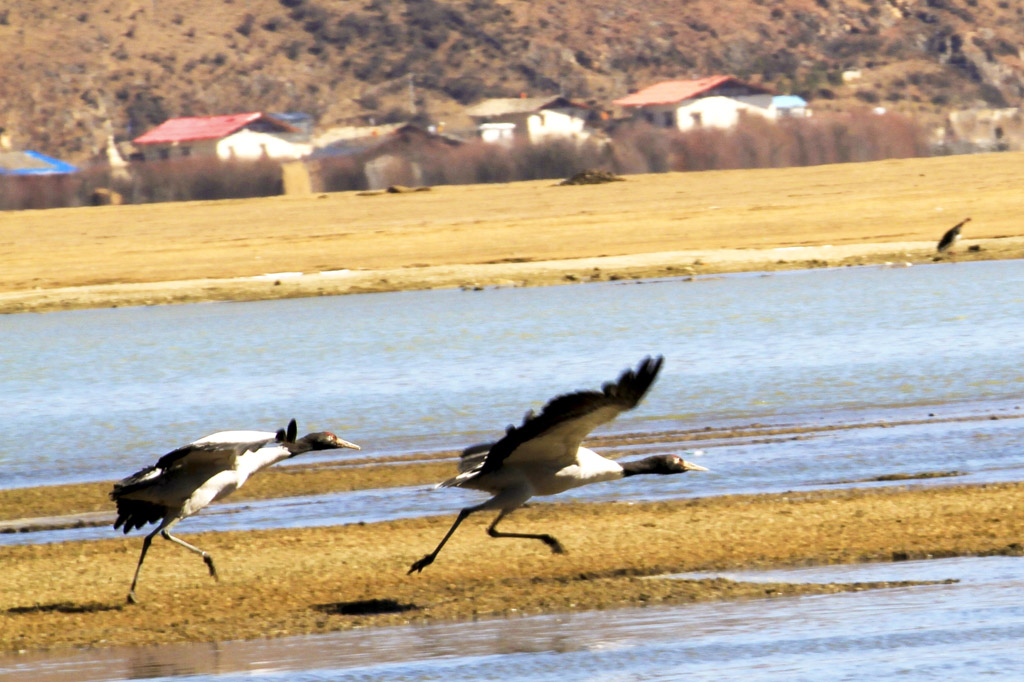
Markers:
(76, 73)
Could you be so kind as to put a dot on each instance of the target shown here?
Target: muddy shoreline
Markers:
(682, 264)
(309, 580)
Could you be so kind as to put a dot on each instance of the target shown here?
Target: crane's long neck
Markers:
(251, 462)
(650, 465)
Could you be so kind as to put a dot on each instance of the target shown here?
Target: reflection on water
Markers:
(949, 631)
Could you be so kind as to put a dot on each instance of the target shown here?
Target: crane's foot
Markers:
(555, 545)
(132, 599)
(421, 564)
(209, 564)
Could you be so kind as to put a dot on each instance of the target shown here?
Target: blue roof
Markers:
(28, 162)
(788, 101)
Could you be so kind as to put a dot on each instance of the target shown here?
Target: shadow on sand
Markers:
(65, 607)
(365, 607)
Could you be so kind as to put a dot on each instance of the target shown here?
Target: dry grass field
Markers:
(512, 234)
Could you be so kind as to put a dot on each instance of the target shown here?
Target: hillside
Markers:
(74, 73)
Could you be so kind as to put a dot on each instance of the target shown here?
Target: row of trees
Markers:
(754, 143)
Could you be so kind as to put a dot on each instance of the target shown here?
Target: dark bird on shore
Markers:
(951, 237)
(543, 456)
(186, 480)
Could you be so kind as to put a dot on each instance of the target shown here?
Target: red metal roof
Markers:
(670, 92)
(201, 127)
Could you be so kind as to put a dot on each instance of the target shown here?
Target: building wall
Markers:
(177, 150)
(535, 127)
(706, 112)
(721, 112)
(554, 123)
(245, 145)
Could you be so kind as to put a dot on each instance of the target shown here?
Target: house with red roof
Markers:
(248, 136)
(714, 102)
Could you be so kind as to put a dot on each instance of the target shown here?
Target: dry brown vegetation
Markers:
(511, 234)
(126, 66)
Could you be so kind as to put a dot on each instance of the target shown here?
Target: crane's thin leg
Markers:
(206, 556)
(548, 540)
(138, 569)
(429, 559)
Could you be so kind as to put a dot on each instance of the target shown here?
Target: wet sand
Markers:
(289, 582)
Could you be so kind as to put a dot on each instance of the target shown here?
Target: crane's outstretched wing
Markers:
(221, 449)
(556, 433)
(951, 235)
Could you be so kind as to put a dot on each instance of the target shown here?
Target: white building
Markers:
(714, 102)
(535, 119)
(247, 136)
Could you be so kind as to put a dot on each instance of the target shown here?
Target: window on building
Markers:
(697, 120)
(669, 119)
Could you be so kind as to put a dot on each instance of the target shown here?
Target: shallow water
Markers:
(97, 394)
(981, 451)
(104, 392)
(941, 631)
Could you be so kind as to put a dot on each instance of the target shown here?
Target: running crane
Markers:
(544, 456)
(186, 480)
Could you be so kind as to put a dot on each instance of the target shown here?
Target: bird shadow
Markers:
(65, 607)
(365, 607)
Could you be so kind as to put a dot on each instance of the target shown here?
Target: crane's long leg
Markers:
(206, 555)
(429, 559)
(145, 548)
(548, 540)
(163, 531)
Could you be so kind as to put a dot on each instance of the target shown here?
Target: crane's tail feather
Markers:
(288, 435)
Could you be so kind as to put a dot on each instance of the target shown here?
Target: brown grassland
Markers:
(292, 581)
(510, 234)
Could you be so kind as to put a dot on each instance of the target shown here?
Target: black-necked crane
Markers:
(187, 479)
(951, 237)
(544, 455)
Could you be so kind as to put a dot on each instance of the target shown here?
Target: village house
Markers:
(389, 153)
(533, 119)
(713, 102)
(248, 136)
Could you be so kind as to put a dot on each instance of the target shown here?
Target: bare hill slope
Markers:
(74, 73)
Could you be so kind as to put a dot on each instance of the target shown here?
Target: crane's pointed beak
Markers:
(346, 444)
(690, 466)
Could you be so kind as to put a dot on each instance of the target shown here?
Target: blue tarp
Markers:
(28, 162)
(788, 101)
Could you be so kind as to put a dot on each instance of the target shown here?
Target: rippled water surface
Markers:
(96, 394)
(956, 630)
